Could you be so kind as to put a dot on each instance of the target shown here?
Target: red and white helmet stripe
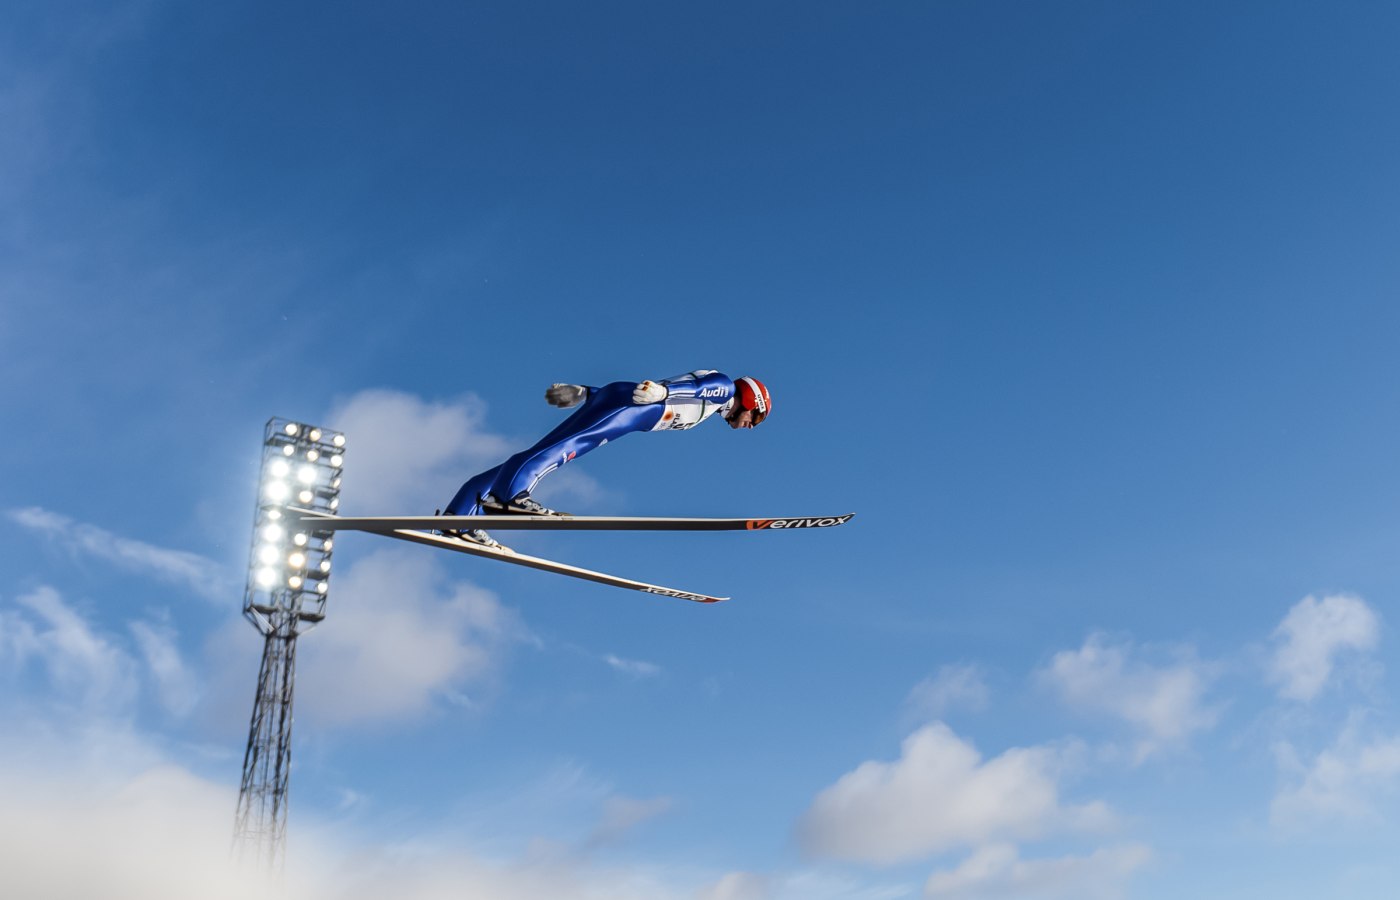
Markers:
(753, 395)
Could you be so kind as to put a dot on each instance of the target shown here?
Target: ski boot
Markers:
(471, 536)
(522, 505)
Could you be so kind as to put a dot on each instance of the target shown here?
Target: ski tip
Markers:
(679, 595)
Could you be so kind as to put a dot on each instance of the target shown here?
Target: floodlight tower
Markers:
(288, 581)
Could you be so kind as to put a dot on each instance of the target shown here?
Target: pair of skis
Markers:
(419, 530)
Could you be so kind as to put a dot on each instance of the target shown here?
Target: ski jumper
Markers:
(607, 414)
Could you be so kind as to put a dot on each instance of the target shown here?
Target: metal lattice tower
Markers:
(288, 583)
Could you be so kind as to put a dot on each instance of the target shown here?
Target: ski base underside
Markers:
(547, 565)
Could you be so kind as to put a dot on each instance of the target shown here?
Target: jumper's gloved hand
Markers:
(649, 392)
(565, 395)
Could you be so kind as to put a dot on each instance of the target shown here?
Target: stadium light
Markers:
(302, 467)
(286, 593)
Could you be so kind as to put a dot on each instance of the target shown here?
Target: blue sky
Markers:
(1087, 310)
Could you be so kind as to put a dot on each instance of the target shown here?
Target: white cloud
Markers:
(635, 667)
(997, 871)
(162, 833)
(1164, 703)
(147, 828)
(349, 800)
(405, 454)
(568, 811)
(1343, 782)
(174, 681)
(83, 667)
(87, 671)
(449, 875)
(1311, 637)
(199, 574)
(118, 826)
(19, 641)
(940, 794)
(403, 636)
(827, 884)
(622, 814)
(953, 686)
(151, 829)
(737, 886)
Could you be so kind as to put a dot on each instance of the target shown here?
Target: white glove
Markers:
(565, 395)
(649, 392)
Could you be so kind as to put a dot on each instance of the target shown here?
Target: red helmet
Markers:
(753, 394)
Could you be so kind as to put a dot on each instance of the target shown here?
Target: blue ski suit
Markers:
(607, 414)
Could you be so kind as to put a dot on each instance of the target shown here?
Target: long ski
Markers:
(321, 522)
(381, 524)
